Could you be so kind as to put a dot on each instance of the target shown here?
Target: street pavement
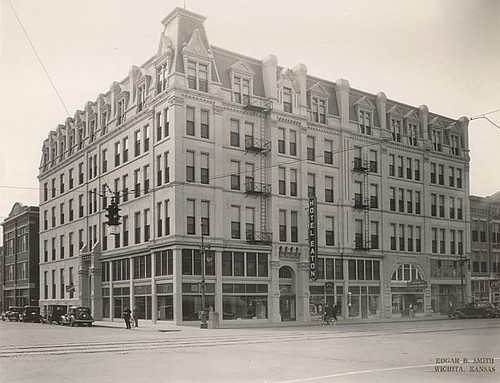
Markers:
(403, 350)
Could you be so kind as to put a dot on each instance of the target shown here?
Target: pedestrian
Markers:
(335, 311)
(327, 317)
(126, 317)
(135, 316)
(410, 310)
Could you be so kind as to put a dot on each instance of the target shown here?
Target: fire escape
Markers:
(262, 189)
(363, 201)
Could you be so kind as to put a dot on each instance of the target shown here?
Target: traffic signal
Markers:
(113, 214)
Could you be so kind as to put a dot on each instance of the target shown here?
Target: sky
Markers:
(441, 53)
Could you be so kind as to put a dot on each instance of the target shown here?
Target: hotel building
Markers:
(202, 143)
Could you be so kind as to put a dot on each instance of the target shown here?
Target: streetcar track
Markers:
(145, 345)
(209, 341)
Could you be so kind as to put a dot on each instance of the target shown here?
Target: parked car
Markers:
(14, 313)
(31, 314)
(475, 310)
(78, 315)
(55, 313)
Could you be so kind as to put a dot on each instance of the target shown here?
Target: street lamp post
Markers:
(461, 263)
(203, 249)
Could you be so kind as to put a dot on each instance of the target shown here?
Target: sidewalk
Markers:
(194, 327)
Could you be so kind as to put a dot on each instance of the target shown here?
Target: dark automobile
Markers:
(14, 313)
(78, 315)
(55, 313)
(475, 310)
(31, 314)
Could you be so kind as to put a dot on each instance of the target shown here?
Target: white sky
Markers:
(441, 53)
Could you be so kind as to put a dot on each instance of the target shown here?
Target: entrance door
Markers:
(364, 306)
(287, 307)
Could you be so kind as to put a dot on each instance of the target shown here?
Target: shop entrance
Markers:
(287, 294)
(287, 307)
(407, 304)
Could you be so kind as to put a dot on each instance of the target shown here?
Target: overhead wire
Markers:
(38, 57)
(83, 139)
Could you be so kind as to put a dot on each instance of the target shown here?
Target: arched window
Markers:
(407, 273)
(285, 273)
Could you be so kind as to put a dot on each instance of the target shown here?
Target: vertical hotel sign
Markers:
(313, 243)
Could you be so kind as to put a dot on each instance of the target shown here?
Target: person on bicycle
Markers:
(328, 316)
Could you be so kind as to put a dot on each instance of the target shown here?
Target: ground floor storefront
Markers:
(175, 283)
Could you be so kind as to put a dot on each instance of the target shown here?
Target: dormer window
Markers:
(141, 97)
(71, 143)
(437, 140)
(241, 90)
(287, 100)
(455, 144)
(120, 119)
(45, 159)
(318, 107)
(161, 78)
(412, 133)
(92, 127)
(54, 154)
(364, 109)
(104, 122)
(62, 148)
(81, 136)
(365, 122)
(197, 76)
(396, 129)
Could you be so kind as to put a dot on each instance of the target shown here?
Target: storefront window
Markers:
(105, 302)
(191, 300)
(244, 301)
(121, 298)
(191, 306)
(244, 307)
(165, 306)
(164, 301)
(363, 301)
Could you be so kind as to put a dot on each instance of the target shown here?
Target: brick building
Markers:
(485, 256)
(20, 260)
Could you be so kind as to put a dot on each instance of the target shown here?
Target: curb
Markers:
(242, 326)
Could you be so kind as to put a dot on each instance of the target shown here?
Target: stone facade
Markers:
(201, 138)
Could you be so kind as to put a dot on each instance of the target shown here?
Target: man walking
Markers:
(126, 317)
(135, 316)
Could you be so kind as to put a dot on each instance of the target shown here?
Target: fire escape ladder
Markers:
(366, 202)
(263, 176)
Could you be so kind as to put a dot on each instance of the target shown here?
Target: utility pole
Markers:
(461, 262)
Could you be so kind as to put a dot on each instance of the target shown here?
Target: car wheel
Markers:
(456, 316)
(488, 315)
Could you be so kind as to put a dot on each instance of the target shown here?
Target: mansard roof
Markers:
(225, 60)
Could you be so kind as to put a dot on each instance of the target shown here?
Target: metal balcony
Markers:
(358, 165)
(359, 203)
(257, 145)
(256, 105)
(262, 237)
(359, 243)
(252, 187)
